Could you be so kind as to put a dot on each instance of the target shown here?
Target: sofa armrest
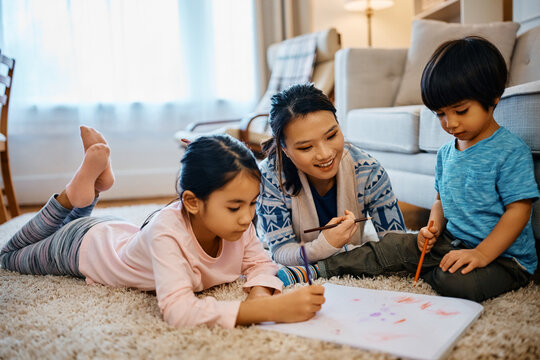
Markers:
(367, 78)
(518, 111)
(531, 87)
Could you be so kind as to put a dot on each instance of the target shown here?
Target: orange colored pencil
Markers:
(422, 257)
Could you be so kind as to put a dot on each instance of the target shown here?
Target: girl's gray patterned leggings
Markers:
(49, 242)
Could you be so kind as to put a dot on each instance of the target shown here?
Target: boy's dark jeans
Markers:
(399, 252)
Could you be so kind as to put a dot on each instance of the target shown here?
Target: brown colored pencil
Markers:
(334, 225)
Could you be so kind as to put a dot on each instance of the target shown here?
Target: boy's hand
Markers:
(428, 234)
(456, 259)
(341, 234)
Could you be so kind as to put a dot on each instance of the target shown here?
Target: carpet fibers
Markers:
(51, 317)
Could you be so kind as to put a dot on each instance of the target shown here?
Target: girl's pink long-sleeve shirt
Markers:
(166, 257)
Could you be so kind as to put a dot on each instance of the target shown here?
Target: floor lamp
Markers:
(368, 7)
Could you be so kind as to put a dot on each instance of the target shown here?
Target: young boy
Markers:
(481, 243)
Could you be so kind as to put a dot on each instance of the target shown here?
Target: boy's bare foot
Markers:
(81, 189)
(90, 137)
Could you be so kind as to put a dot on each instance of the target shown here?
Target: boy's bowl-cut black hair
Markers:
(470, 68)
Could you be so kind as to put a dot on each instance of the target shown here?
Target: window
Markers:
(132, 51)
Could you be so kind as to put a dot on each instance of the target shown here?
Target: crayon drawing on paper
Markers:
(407, 325)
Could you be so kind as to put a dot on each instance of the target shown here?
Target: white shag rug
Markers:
(51, 317)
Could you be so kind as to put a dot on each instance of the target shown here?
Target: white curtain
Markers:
(138, 70)
(275, 21)
(115, 53)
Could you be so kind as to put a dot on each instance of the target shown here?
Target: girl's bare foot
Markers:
(81, 189)
(90, 137)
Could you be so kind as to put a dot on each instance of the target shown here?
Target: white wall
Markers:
(526, 12)
(44, 158)
(145, 164)
(390, 27)
(45, 149)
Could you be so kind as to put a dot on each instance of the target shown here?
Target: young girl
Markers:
(204, 239)
(311, 178)
(481, 243)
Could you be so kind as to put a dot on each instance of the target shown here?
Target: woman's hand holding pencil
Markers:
(340, 229)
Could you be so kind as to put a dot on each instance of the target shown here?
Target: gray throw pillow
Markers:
(427, 35)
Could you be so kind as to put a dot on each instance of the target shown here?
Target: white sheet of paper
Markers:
(403, 324)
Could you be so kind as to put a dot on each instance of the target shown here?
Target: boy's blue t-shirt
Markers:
(476, 184)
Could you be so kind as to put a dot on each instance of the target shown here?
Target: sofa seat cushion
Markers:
(517, 111)
(419, 163)
(431, 134)
(388, 129)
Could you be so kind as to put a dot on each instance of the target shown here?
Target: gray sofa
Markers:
(405, 138)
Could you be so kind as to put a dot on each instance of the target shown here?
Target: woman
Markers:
(312, 178)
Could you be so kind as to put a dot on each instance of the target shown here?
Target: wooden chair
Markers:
(253, 128)
(7, 66)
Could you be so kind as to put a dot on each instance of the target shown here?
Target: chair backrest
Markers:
(323, 75)
(7, 66)
(328, 43)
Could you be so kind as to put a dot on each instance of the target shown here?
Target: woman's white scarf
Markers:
(304, 214)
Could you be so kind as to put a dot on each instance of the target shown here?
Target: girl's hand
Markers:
(298, 305)
(455, 259)
(259, 291)
(341, 234)
(428, 234)
(294, 306)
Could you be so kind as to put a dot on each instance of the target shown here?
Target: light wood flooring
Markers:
(108, 203)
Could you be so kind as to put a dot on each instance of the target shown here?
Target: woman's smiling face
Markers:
(314, 143)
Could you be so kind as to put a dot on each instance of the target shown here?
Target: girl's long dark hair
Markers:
(291, 103)
(209, 163)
